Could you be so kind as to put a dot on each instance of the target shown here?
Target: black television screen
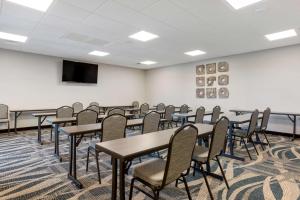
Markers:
(79, 72)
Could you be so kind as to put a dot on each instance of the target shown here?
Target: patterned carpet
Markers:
(30, 171)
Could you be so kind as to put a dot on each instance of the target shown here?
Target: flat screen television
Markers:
(79, 72)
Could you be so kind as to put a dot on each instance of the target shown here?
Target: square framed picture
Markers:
(200, 93)
(211, 93)
(200, 69)
(200, 81)
(211, 68)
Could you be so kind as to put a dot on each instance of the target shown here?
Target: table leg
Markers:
(72, 166)
(114, 178)
(231, 153)
(56, 140)
(39, 130)
(122, 180)
(16, 121)
(294, 127)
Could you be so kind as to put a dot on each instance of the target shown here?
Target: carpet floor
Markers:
(30, 171)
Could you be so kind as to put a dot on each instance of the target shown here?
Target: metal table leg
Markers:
(56, 139)
(294, 127)
(39, 130)
(72, 166)
(114, 178)
(17, 114)
(231, 153)
(122, 180)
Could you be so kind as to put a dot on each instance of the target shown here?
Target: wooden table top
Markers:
(33, 110)
(135, 146)
(192, 114)
(274, 113)
(81, 129)
(56, 120)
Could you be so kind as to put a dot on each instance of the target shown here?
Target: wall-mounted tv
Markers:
(79, 72)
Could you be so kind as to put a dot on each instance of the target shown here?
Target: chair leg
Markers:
(131, 188)
(251, 141)
(261, 144)
(156, 195)
(266, 138)
(87, 160)
(140, 159)
(8, 127)
(51, 133)
(187, 188)
(194, 172)
(205, 178)
(242, 140)
(98, 168)
(222, 171)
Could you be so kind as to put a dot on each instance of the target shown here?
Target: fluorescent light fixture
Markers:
(237, 4)
(143, 36)
(12, 37)
(195, 53)
(99, 53)
(281, 35)
(40, 5)
(148, 62)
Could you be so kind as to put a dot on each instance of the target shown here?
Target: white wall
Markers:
(34, 81)
(257, 80)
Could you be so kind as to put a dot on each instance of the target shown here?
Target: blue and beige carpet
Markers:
(30, 171)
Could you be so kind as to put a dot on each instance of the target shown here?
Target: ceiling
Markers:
(73, 28)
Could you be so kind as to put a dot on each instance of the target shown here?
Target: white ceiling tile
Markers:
(89, 5)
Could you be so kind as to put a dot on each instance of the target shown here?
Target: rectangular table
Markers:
(133, 147)
(236, 120)
(18, 112)
(291, 115)
(74, 131)
(184, 116)
(57, 121)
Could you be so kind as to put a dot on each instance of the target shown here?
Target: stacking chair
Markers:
(158, 173)
(116, 111)
(215, 115)
(161, 107)
(144, 109)
(135, 104)
(94, 104)
(248, 133)
(199, 118)
(94, 108)
(264, 124)
(4, 116)
(63, 112)
(183, 109)
(203, 155)
(151, 122)
(87, 117)
(168, 118)
(77, 107)
(113, 127)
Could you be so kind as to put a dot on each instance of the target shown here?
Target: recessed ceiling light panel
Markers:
(195, 53)
(99, 53)
(148, 62)
(12, 37)
(281, 35)
(237, 4)
(40, 5)
(143, 36)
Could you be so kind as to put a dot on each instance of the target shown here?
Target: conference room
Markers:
(149, 99)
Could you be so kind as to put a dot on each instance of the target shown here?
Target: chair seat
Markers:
(4, 120)
(163, 120)
(151, 171)
(240, 133)
(200, 154)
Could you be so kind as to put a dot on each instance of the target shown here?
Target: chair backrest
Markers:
(116, 111)
(113, 127)
(216, 114)
(87, 117)
(253, 122)
(169, 112)
(4, 111)
(200, 115)
(77, 107)
(94, 108)
(135, 104)
(184, 108)
(94, 104)
(144, 108)
(161, 107)
(181, 147)
(265, 119)
(64, 112)
(218, 139)
(151, 122)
